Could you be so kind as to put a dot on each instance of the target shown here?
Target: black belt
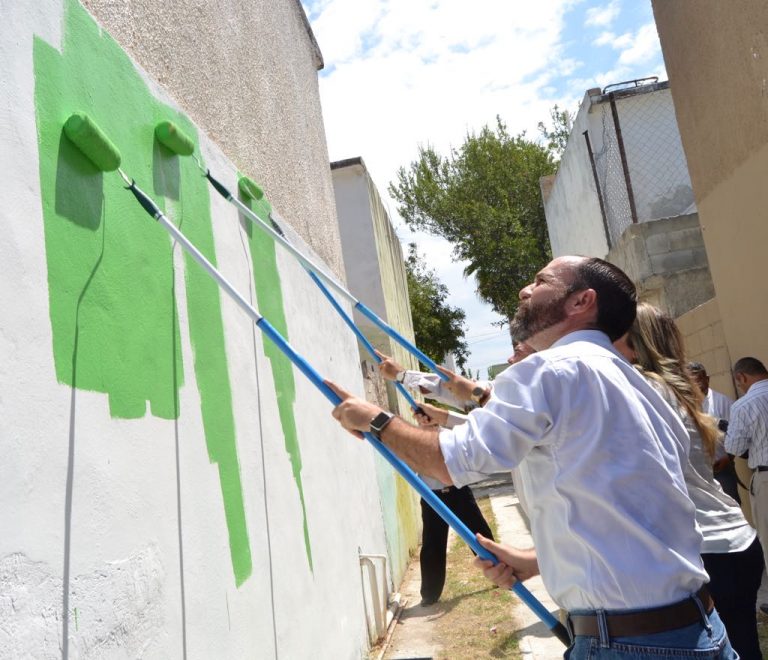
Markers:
(647, 622)
(762, 468)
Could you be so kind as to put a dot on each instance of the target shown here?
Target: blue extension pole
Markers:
(363, 339)
(313, 268)
(557, 628)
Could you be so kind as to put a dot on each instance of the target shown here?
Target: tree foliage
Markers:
(557, 133)
(484, 198)
(438, 327)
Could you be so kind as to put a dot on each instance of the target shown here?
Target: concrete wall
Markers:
(376, 275)
(655, 159)
(171, 486)
(667, 261)
(572, 207)
(246, 72)
(717, 58)
(702, 329)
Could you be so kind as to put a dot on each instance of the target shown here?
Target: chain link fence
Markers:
(638, 161)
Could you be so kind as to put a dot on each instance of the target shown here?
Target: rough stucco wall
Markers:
(717, 58)
(246, 72)
(117, 530)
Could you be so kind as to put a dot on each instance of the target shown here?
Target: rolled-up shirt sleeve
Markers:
(498, 436)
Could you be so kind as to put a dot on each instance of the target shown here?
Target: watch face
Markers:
(380, 421)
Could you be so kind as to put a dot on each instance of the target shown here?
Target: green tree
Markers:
(438, 327)
(557, 133)
(484, 198)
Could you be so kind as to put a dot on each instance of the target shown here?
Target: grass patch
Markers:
(477, 620)
(762, 632)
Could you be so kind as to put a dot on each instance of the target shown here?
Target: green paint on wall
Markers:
(110, 268)
(269, 296)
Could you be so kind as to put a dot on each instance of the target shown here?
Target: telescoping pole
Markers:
(317, 380)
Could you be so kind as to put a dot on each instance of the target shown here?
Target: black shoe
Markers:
(426, 602)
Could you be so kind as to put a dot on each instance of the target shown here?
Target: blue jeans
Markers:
(704, 639)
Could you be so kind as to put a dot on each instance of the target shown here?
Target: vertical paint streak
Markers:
(269, 296)
(119, 337)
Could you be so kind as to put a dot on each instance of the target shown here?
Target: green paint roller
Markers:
(91, 140)
(250, 188)
(174, 138)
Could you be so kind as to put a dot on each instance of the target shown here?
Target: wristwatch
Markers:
(379, 423)
(400, 376)
(481, 394)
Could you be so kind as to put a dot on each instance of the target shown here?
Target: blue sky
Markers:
(399, 73)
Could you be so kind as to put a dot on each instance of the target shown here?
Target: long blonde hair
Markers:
(658, 345)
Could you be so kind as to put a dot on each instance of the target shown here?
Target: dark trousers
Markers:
(729, 482)
(734, 581)
(434, 540)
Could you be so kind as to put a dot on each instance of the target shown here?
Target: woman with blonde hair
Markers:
(730, 550)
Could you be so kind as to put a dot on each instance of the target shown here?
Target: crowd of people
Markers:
(622, 455)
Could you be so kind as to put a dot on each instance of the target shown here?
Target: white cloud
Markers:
(602, 16)
(619, 42)
(642, 48)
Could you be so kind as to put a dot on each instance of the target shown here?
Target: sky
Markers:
(404, 73)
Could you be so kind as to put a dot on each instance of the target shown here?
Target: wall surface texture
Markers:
(171, 485)
(376, 274)
(572, 208)
(246, 72)
(716, 55)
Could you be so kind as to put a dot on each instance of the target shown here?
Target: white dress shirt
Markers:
(719, 406)
(720, 518)
(748, 426)
(600, 456)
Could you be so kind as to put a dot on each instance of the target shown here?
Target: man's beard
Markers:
(529, 321)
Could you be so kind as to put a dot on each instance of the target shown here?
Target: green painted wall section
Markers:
(269, 296)
(110, 268)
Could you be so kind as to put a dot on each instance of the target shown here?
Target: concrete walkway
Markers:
(414, 636)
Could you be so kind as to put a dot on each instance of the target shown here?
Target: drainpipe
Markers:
(379, 600)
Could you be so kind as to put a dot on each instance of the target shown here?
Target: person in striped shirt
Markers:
(748, 431)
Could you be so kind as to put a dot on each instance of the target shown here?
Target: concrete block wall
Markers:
(702, 329)
(667, 261)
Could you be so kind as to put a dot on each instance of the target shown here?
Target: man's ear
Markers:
(581, 302)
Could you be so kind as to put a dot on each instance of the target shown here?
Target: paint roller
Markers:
(251, 190)
(175, 140)
(85, 134)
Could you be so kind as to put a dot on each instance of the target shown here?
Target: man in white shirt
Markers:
(748, 431)
(718, 406)
(600, 457)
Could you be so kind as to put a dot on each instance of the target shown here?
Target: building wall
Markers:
(667, 261)
(171, 485)
(717, 60)
(376, 275)
(246, 72)
(572, 207)
(655, 160)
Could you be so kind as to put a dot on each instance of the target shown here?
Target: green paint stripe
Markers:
(269, 298)
(110, 269)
